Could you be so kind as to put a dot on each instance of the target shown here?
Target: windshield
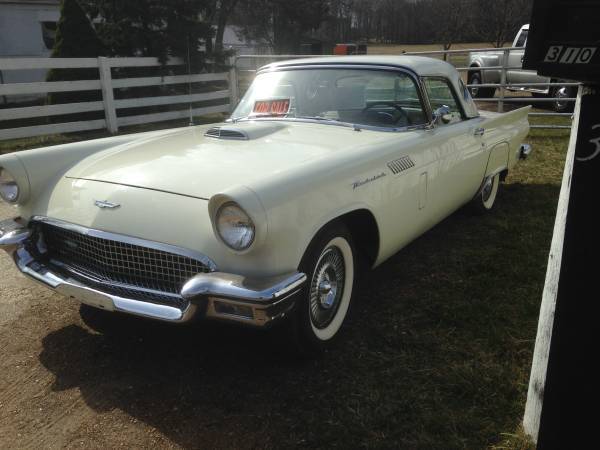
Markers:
(357, 96)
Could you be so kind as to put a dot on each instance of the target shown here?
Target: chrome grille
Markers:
(119, 264)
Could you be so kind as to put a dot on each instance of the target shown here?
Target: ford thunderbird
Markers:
(326, 165)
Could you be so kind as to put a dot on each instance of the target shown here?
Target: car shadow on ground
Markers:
(436, 350)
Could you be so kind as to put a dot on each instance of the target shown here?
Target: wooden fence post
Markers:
(539, 367)
(110, 112)
(233, 83)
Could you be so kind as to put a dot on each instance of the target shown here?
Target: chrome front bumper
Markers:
(257, 302)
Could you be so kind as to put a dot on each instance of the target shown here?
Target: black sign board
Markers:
(567, 420)
(564, 40)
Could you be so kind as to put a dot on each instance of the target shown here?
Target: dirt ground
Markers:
(62, 385)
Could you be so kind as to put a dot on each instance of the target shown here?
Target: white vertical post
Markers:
(233, 83)
(110, 112)
(503, 80)
(541, 352)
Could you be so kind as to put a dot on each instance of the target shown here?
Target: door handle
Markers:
(479, 131)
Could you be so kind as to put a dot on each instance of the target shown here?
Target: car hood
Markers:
(187, 162)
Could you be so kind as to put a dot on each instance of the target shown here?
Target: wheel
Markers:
(477, 92)
(559, 92)
(329, 264)
(484, 201)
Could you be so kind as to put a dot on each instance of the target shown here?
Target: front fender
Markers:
(41, 168)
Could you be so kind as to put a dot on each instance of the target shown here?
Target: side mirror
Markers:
(442, 114)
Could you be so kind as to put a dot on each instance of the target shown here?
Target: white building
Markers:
(27, 29)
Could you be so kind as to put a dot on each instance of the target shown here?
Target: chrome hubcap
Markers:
(487, 190)
(327, 292)
(326, 287)
(561, 93)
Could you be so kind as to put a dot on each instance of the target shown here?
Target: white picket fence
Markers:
(107, 85)
(240, 66)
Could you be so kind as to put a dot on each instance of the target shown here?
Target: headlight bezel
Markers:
(230, 243)
(8, 180)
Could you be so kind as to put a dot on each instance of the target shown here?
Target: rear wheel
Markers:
(560, 92)
(329, 264)
(479, 92)
(485, 200)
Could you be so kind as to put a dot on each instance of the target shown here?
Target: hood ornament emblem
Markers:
(106, 204)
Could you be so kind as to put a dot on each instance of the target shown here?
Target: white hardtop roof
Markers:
(421, 65)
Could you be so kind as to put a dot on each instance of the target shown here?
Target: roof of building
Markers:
(421, 65)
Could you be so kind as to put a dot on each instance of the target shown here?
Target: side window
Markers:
(440, 94)
(522, 39)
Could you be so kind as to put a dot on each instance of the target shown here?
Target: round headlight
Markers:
(234, 226)
(9, 189)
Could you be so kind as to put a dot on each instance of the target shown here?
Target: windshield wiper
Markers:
(325, 119)
(294, 118)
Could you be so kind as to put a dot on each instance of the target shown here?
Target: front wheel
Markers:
(329, 264)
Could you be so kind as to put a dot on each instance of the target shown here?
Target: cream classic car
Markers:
(324, 164)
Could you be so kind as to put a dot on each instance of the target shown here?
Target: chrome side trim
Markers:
(128, 240)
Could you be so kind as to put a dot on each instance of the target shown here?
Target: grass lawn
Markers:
(442, 340)
(437, 350)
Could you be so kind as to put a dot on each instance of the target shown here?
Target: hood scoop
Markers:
(244, 131)
(226, 133)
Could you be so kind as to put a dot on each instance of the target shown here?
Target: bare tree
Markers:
(454, 21)
(500, 19)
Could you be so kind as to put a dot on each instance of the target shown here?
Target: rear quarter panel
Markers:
(504, 134)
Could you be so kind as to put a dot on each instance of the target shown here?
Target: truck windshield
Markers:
(356, 96)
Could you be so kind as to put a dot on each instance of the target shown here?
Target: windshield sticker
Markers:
(279, 107)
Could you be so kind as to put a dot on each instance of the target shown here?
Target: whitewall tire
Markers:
(485, 200)
(330, 265)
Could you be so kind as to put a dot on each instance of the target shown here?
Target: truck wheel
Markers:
(329, 264)
(477, 92)
(559, 92)
(486, 198)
